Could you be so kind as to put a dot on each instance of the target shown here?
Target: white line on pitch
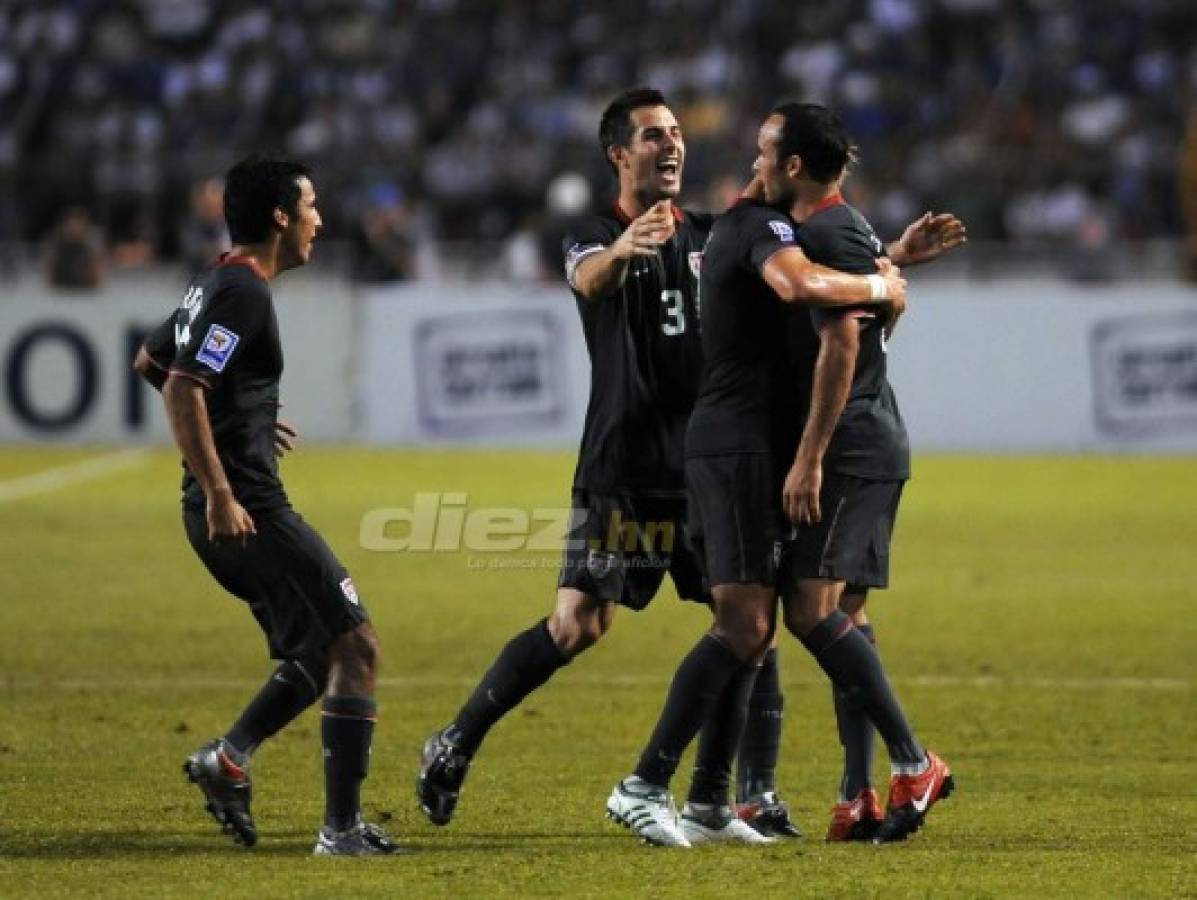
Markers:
(977, 681)
(60, 477)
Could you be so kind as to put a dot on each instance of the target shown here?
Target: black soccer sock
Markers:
(854, 667)
(856, 736)
(721, 734)
(347, 728)
(293, 687)
(757, 760)
(528, 661)
(696, 688)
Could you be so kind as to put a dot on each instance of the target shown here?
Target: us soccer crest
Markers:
(695, 259)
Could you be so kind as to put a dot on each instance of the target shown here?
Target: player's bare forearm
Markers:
(188, 414)
(601, 274)
(838, 349)
(795, 279)
(145, 366)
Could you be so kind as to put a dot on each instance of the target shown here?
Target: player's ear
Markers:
(793, 166)
(615, 155)
(281, 219)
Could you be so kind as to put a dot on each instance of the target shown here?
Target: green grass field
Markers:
(1040, 631)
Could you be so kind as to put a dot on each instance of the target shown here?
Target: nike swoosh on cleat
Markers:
(921, 804)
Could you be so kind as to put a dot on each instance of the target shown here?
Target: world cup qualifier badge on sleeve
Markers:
(217, 347)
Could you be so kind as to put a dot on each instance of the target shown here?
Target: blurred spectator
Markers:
(74, 253)
(384, 242)
(204, 235)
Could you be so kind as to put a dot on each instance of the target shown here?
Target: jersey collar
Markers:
(625, 219)
(230, 259)
(835, 199)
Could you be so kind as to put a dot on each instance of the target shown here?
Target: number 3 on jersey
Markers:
(675, 312)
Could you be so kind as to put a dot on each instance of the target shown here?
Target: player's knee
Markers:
(577, 630)
(747, 631)
(801, 619)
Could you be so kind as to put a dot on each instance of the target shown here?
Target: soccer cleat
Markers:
(226, 787)
(362, 839)
(648, 812)
(857, 819)
(443, 768)
(768, 815)
(718, 825)
(910, 797)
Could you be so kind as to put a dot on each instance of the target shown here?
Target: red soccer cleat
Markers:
(857, 819)
(910, 797)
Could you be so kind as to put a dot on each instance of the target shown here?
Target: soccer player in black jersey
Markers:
(840, 433)
(217, 361)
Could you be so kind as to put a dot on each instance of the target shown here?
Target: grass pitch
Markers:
(1040, 632)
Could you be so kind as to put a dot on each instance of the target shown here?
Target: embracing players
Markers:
(634, 272)
(217, 361)
(752, 260)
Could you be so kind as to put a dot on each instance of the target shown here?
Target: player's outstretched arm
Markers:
(839, 344)
(795, 279)
(602, 274)
(927, 238)
(187, 411)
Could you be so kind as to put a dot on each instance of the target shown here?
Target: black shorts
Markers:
(851, 543)
(296, 588)
(735, 517)
(619, 549)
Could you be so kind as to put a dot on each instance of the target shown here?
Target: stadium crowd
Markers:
(1034, 120)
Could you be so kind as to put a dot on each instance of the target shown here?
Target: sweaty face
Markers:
(768, 167)
(655, 155)
(302, 228)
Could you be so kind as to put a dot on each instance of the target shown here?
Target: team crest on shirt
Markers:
(349, 591)
(695, 259)
(783, 230)
(217, 347)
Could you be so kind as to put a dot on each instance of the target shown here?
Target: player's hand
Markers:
(800, 493)
(930, 236)
(285, 437)
(646, 232)
(895, 290)
(228, 520)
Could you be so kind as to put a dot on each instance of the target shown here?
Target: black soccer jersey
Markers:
(869, 440)
(225, 336)
(742, 332)
(645, 359)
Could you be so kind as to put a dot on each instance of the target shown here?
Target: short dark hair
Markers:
(615, 127)
(253, 189)
(816, 135)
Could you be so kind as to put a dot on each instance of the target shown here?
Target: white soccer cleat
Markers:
(718, 825)
(649, 812)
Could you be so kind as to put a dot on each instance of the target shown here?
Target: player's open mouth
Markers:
(668, 169)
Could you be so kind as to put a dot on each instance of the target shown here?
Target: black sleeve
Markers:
(587, 237)
(218, 334)
(160, 344)
(763, 232)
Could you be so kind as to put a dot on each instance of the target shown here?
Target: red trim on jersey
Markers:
(231, 259)
(626, 220)
(196, 378)
(835, 199)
